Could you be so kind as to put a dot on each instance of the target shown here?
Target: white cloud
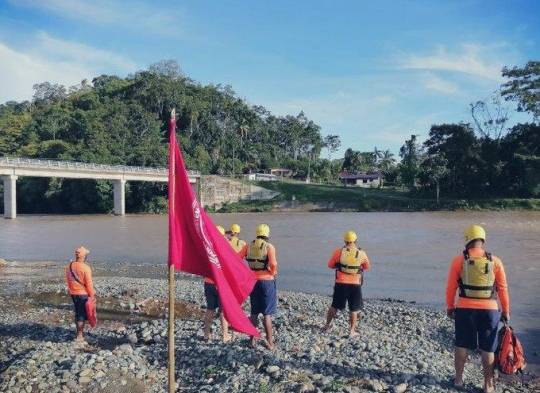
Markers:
(53, 60)
(471, 59)
(433, 82)
(19, 71)
(133, 15)
(75, 51)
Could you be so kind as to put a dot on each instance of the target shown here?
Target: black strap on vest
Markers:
(74, 275)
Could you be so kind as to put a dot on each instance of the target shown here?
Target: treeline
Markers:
(484, 159)
(115, 120)
(123, 121)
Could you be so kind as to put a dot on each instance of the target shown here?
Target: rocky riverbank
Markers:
(401, 347)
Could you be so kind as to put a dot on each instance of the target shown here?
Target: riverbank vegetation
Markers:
(117, 120)
(323, 197)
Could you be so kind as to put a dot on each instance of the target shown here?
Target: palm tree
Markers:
(385, 162)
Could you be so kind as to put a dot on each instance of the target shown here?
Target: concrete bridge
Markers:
(12, 168)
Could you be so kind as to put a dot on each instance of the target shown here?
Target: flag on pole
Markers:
(196, 246)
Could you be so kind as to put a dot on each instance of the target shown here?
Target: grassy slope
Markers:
(337, 198)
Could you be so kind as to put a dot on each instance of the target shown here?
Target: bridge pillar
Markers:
(119, 197)
(10, 196)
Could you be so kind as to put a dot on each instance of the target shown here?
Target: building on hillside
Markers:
(281, 172)
(361, 179)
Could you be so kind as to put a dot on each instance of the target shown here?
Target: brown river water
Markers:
(410, 252)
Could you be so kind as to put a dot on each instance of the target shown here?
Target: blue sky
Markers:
(372, 72)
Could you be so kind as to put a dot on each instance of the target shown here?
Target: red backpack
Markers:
(509, 356)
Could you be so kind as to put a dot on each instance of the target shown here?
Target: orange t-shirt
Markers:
(486, 304)
(271, 272)
(346, 278)
(84, 274)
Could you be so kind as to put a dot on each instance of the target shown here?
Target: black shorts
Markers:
(211, 295)
(476, 328)
(348, 293)
(79, 304)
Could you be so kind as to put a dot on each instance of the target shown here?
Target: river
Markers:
(410, 252)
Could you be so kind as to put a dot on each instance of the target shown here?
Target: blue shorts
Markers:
(79, 304)
(211, 296)
(264, 298)
(476, 328)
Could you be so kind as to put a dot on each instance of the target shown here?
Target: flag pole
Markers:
(171, 367)
(172, 286)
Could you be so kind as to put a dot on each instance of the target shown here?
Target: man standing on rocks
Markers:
(261, 257)
(80, 286)
(212, 304)
(236, 243)
(350, 262)
(480, 278)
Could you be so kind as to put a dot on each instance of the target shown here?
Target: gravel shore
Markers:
(401, 347)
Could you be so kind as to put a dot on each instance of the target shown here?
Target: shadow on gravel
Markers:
(5, 365)
(56, 334)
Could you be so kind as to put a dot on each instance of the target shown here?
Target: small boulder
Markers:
(272, 369)
(401, 388)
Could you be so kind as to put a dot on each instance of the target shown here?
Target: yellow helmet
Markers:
(350, 236)
(262, 230)
(220, 229)
(474, 232)
(235, 228)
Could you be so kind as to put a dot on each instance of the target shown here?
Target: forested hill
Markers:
(123, 121)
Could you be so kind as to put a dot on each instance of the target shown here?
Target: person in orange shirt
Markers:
(80, 286)
(261, 257)
(212, 304)
(350, 262)
(478, 278)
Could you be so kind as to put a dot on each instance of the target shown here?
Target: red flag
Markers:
(196, 246)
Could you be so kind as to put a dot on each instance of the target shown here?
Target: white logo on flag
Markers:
(212, 257)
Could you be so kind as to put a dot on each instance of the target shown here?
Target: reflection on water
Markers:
(410, 252)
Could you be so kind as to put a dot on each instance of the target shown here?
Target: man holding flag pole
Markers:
(197, 247)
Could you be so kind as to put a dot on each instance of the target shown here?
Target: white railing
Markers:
(18, 162)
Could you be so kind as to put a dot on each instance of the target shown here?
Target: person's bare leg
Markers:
(353, 321)
(267, 321)
(255, 321)
(208, 319)
(226, 336)
(460, 358)
(80, 330)
(488, 364)
(330, 315)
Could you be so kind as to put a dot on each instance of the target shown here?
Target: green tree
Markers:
(332, 143)
(458, 144)
(411, 157)
(433, 170)
(523, 87)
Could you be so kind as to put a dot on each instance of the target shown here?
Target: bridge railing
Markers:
(18, 162)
